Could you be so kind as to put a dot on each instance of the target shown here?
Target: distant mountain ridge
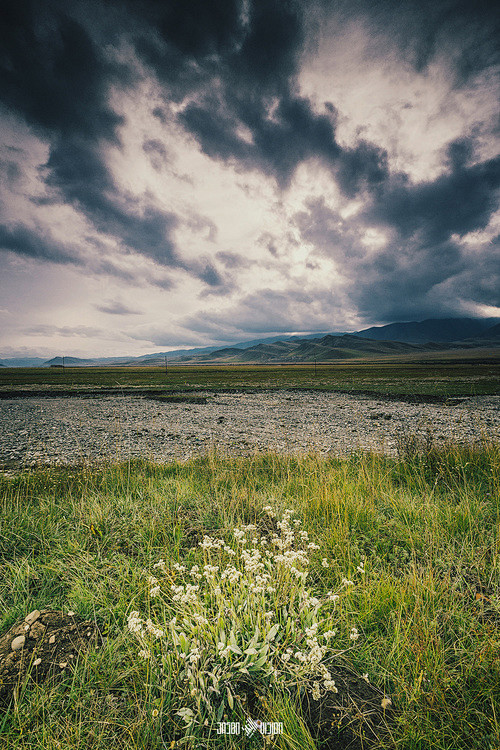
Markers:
(433, 329)
(432, 334)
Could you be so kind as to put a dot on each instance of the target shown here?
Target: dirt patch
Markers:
(355, 717)
(42, 646)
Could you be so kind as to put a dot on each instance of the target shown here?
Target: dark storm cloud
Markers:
(245, 79)
(463, 32)
(423, 269)
(32, 243)
(52, 73)
(77, 171)
(10, 172)
(264, 312)
(246, 69)
(458, 202)
(282, 138)
(254, 44)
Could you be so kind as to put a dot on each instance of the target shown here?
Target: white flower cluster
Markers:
(251, 560)
(328, 683)
(195, 572)
(155, 588)
(231, 574)
(329, 634)
(151, 628)
(245, 596)
(199, 619)
(209, 571)
(195, 655)
(211, 543)
(134, 624)
(185, 594)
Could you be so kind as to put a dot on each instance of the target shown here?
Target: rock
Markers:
(52, 639)
(32, 617)
(18, 642)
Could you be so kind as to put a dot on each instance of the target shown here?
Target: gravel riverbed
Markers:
(59, 431)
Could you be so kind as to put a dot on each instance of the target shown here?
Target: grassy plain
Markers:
(450, 377)
(426, 525)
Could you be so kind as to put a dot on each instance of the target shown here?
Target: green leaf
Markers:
(270, 636)
(259, 662)
(183, 642)
(235, 649)
(230, 698)
(250, 650)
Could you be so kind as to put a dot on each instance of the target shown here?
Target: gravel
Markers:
(63, 431)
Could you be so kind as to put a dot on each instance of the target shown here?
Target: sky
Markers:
(181, 173)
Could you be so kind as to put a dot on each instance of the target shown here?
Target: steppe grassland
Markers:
(425, 527)
(453, 377)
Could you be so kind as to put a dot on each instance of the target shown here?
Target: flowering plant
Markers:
(243, 617)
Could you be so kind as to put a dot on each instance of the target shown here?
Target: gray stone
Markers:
(18, 642)
(30, 619)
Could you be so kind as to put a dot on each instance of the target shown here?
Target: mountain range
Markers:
(429, 335)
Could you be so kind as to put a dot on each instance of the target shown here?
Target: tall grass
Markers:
(426, 526)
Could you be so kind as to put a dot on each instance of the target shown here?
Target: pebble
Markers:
(32, 617)
(37, 662)
(87, 430)
(18, 643)
(52, 639)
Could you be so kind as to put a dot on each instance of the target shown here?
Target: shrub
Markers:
(244, 620)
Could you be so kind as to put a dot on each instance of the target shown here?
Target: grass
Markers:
(427, 526)
(420, 378)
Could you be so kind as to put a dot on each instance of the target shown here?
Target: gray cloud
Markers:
(115, 307)
(158, 154)
(269, 312)
(68, 331)
(33, 243)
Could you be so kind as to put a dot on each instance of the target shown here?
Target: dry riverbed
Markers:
(60, 431)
